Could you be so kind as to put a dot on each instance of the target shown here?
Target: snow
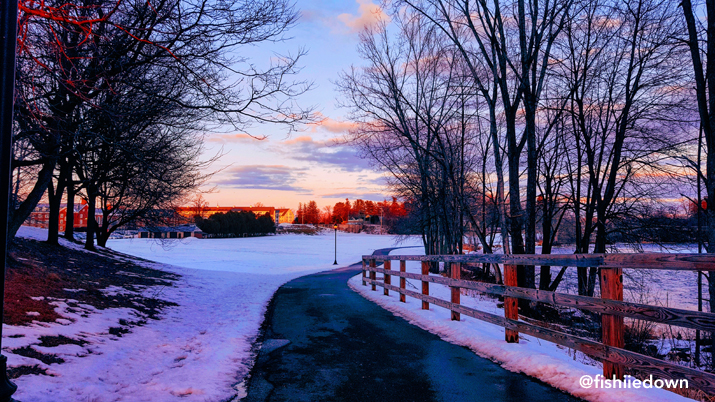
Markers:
(34, 233)
(203, 349)
(198, 351)
(546, 361)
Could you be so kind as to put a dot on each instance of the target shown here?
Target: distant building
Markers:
(174, 232)
(279, 215)
(286, 215)
(81, 212)
(40, 216)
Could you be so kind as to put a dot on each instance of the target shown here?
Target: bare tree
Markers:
(63, 67)
(701, 43)
(416, 123)
(513, 40)
(622, 64)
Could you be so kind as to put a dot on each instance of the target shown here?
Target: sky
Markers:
(285, 169)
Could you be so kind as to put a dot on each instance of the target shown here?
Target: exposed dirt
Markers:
(15, 372)
(27, 351)
(38, 271)
(52, 341)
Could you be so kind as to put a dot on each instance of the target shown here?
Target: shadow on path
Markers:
(321, 341)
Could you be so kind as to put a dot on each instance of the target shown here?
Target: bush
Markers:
(236, 224)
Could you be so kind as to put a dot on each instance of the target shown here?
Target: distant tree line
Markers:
(236, 224)
(394, 214)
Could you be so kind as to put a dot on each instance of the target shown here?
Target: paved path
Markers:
(324, 342)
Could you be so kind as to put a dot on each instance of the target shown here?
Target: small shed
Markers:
(173, 232)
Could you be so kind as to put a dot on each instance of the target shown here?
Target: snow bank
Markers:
(548, 362)
(200, 350)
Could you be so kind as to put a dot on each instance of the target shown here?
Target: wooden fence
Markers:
(610, 305)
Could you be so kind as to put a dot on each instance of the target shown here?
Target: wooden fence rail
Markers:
(611, 305)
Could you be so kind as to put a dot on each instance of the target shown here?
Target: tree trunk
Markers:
(23, 211)
(103, 236)
(705, 90)
(710, 212)
(599, 247)
(545, 273)
(69, 215)
(91, 222)
(54, 196)
(530, 213)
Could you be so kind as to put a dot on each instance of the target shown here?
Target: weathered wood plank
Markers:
(612, 328)
(511, 307)
(388, 281)
(372, 272)
(455, 271)
(364, 273)
(403, 281)
(648, 365)
(425, 284)
(666, 315)
(667, 261)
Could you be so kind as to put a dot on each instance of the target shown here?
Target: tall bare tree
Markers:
(622, 64)
(64, 66)
(514, 40)
(701, 44)
(416, 117)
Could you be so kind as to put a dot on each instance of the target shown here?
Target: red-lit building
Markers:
(40, 217)
(80, 216)
(279, 215)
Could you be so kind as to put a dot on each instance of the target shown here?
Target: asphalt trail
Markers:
(323, 342)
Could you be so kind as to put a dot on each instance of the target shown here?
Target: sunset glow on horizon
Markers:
(265, 163)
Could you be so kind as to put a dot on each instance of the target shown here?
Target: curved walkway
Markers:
(323, 342)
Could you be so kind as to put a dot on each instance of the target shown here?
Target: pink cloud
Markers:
(369, 14)
(335, 126)
(239, 137)
(332, 125)
(298, 140)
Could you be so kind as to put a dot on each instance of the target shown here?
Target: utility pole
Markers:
(8, 41)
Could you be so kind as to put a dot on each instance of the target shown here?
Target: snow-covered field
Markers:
(202, 349)
(551, 363)
(198, 351)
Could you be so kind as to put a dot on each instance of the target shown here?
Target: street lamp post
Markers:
(8, 40)
(335, 262)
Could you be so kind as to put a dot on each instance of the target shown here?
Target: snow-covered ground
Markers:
(556, 365)
(198, 351)
(202, 349)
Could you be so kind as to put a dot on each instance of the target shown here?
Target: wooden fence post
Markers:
(456, 273)
(403, 281)
(511, 308)
(612, 326)
(373, 276)
(388, 279)
(425, 284)
(364, 273)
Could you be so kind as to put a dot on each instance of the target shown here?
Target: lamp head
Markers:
(335, 227)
